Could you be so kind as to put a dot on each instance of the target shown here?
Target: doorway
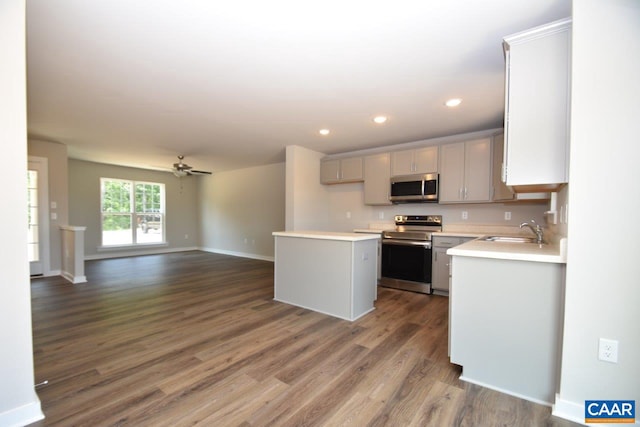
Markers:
(38, 215)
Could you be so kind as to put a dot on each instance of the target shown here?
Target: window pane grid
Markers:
(32, 221)
(118, 219)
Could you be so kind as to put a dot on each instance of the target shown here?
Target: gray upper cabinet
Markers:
(465, 172)
(537, 109)
(501, 192)
(336, 171)
(419, 160)
(377, 174)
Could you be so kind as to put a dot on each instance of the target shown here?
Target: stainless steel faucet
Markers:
(537, 230)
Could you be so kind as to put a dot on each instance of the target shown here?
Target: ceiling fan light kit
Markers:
(181, 169)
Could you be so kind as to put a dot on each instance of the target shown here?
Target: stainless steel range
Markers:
(406, 252)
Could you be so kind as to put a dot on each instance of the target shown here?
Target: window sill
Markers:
(112, 248)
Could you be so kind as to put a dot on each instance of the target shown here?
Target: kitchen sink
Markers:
(509, 239)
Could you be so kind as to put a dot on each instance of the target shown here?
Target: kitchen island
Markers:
(328, 272)
(506, 310)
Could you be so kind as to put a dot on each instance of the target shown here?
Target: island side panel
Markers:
(506, 324)
(365, 277)
(314, 274)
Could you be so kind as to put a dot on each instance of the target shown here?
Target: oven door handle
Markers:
(401, 242)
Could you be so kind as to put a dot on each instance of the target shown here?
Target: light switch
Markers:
(54, 205)
(54, 216)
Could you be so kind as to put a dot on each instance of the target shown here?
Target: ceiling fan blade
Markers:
(181, 169)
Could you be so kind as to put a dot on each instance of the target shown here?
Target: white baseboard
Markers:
(568, 410)
(505, 391)
(123, 254)
(73, 279)
(325, 312)
(52, 273)
(22, 415)
(238, 254)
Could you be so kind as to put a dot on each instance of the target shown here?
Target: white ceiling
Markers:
(231, 84)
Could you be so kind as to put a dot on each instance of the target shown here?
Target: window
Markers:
(132, 212)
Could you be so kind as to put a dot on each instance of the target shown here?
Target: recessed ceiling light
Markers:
(380, 119)
(454, 102)
(324, 132)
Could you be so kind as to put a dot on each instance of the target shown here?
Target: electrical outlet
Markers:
(507, 216)
(381, 215)
(465, 215)
(608, 350)
(186, 236)
(348, 215)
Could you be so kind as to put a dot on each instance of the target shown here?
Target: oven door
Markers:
(406, 264)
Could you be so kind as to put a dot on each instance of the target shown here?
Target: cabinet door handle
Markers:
(436, 256)
(460, 193)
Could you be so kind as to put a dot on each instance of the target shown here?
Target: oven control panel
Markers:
(418, 219)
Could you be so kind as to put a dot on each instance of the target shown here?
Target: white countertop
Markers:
(554, 253)
(327, 235)
(368, 230)
(457, 234)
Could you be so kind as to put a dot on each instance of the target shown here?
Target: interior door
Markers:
(38, 224)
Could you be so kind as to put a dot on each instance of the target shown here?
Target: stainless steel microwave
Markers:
(418, 188)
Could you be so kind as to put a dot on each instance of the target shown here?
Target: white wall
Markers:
(603, 272)
(307, 202)
(349, 198)
(19, 404)
(240, 209)
(181, 200)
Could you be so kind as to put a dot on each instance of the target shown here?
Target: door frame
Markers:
(42, 165)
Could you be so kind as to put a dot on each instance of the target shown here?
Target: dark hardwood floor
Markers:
(196, 338)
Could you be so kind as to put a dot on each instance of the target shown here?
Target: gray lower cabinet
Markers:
(506, 324)
(441, 261)
(331, 273)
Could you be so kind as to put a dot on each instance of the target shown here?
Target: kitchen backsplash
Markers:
(347, 211)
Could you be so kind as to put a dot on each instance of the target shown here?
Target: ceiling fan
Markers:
(181, 169)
